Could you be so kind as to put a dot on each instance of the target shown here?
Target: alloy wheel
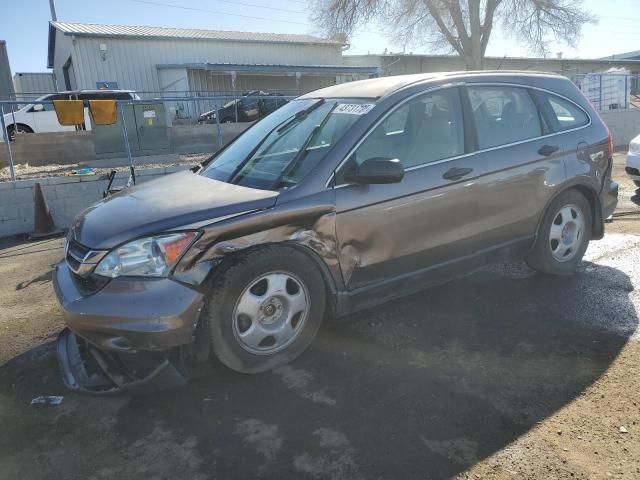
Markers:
(565, 235)
(270, 313)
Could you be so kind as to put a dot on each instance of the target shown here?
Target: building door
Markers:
(69, 76)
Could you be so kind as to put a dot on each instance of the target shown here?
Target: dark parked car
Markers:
(342, 199)
(252, 106)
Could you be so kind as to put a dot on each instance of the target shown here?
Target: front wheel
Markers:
(563, 236)
(265, 309)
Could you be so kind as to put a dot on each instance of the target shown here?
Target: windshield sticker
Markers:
(354, 108)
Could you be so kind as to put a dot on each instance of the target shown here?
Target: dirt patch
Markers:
(502, 375)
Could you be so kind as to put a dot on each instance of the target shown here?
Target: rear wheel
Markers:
(13, 129)
(265, 309)
(563, 236)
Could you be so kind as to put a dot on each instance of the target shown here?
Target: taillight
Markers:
(610, 145)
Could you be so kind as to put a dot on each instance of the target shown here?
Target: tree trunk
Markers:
(474, 61)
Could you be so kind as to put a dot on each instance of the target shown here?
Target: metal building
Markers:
(152, 60)
(6, 85)
(401, 64)
(33, 84)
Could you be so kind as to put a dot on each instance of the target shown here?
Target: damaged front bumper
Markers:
(132, 335)
(90, 370)
(130, 314)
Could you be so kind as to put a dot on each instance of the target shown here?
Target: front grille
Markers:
(75, 255)
(73, 263)
(82, 260)
(76, 249)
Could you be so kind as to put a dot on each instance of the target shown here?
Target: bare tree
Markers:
(462, 26)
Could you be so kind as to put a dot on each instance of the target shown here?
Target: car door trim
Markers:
(458, 85)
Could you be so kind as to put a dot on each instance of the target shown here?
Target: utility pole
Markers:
(52, 6)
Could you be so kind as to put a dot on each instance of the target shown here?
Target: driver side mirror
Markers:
(38, 107)
(377, 170)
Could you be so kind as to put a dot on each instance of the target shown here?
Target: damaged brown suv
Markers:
(342, 199)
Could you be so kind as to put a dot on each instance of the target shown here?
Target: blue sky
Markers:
(24, 25)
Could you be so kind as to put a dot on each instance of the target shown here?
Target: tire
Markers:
(265, 308)
(11, 130)
(563, 235)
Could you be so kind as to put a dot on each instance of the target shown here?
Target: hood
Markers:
(163, 204)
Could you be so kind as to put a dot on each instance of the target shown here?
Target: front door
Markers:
(46, 120)
(430, 217)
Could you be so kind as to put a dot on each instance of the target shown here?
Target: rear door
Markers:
(428, 218)
(524, 160)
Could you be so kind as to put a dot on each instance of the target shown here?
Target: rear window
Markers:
(504, 115)
(566, 113)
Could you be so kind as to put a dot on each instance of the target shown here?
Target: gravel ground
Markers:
(505, 374)
(25, 171)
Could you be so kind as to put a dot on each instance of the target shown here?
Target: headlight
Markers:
(634, 147)
(147, 257)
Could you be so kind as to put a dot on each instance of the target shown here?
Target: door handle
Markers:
(548, 150)
(456, 173)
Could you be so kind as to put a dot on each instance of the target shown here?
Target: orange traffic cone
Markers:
(43, 225)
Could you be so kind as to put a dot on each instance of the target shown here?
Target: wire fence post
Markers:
(626, 97)
(13, 117)
(126, 142)
(5, 134)
(235, 103)
(218, 130)
(600, 95)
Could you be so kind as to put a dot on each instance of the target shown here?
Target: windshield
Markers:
(279, 151)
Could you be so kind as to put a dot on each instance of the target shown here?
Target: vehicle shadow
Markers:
(40, 279)
(424, 387)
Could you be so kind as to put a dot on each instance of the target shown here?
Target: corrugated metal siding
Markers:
(132, 63)
(6, 84)
(33, 83)
(203, 81)
(186, 33)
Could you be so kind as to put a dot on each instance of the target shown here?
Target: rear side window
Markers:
(567, 114)
(503, 115)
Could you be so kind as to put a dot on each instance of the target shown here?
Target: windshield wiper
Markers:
(301, 115)
(295, 161)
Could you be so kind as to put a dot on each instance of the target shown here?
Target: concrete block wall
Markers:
(623, 124)
(60, 148)
(70, 148)
(203, 138)
(66, 197)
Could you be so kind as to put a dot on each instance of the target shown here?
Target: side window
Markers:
(48, 107)
(566, 113)
(424, 130)
(503, 115)
(249, 103)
